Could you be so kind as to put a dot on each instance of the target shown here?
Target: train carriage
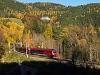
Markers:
(38, 51)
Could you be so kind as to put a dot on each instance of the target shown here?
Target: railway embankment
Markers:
(43, 66)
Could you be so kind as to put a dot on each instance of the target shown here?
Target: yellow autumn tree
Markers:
(13, 32)
(68, 37)
(48, 33)
(70, 32)
(2, 38)
(28, 38)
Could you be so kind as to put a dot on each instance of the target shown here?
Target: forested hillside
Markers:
(73, 31)
(84, 14)
(80, 15)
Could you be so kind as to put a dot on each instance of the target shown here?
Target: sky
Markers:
(64, 2)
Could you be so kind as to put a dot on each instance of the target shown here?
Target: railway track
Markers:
(40, 57)
(43, 57)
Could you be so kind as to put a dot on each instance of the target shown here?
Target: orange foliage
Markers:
(32, 17)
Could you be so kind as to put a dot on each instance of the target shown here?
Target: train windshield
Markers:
(54, 50)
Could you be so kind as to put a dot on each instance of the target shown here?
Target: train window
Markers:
(54, 50)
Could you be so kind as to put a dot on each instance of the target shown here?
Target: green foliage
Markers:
(11, 5)
(83, 41)
(32, 22)
(80, 15)
(39, 27)
(84, 14)
(56, 31)
(14, 57)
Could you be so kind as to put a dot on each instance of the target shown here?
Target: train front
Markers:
(54, 53)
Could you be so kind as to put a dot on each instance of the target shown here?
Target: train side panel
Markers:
(47, 52)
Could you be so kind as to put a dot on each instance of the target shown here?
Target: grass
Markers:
(18, 21)
(15, 57)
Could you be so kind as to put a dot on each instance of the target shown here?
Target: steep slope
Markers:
(84, 14)
(12, 5)
(8, 8)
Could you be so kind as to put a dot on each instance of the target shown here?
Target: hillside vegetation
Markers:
(73, 31)
(69, 15)
(84, 14)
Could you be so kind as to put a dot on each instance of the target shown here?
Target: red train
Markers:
(42, 51)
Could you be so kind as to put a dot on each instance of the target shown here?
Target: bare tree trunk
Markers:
(42, 45)
(14, 47)
(97, 54)
(20, 44)
(90, 53)
(26, 49)
(61, 51)
(9, 46)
